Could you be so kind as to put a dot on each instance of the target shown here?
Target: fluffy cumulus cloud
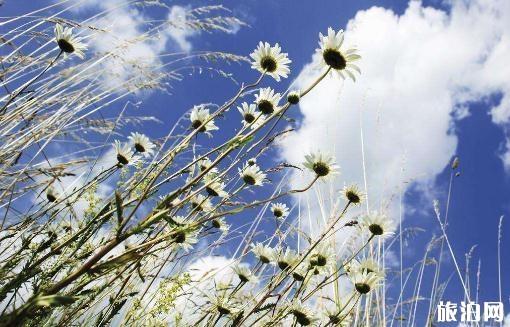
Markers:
(134, 44)
(420, 70)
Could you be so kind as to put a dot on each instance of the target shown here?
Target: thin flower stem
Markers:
(303, 257)
(305, 92)
(342, 266)
(24, 87)
(186, 140)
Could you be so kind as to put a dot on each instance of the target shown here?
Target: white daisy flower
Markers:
(252, 175)
(222, 306)
(51, 194)
(321, 164)
(378, 224)
(252, 161)
(262, 252)
(323, 256)
(223, 285)
(214, 187)
(271, 60)
(200, 115)
(201, 203)
(168, 201)
(142, 144)
(280, 210)
(364, 282)
(125, 155)
(67, 42)
(339, 315)
(267, 100)
(286, 259)
(367, 265)
(353, 195)
(204, 164)
(300, 272)
(178, 220)
(303, 315)
(184, 237)
(293, 97)
(244, 273)
(455, 163)
(219, 223)
(250, 115)
(334, 56)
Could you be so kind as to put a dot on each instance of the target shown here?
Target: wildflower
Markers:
(337, 317)
(201, 203)
(286, 259)
(250, 116)
(364, 282)
(270, 60)
(321, 164)
(206, 163)
(252, 175)
(262, 252)
(353, 194)
(455, 163)
(223, 285)
(378, 224)
(142, 143)
(67, 42)
(367, 265)
(323, 255)
(219, 223)
(125, 154)
(199, 116)
(280, 210)
(222, 305)
(214, 187)
(300, 272)
(336, 58)
(248, 112)
(178, 220)
(293, 97)
(267, 100)
(51, 194)
(303, 315)
(65, 226)
(322, 261)
(184, 237)
(252, 161)
(243, 273)
(168, 201)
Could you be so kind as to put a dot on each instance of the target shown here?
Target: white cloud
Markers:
(123, 39)
(136, 48)
(135, 40)
(206, 273)
(82, 174)
(506, 323)
(177, 30)
(418, 69)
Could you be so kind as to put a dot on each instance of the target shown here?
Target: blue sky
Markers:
(462, 122)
